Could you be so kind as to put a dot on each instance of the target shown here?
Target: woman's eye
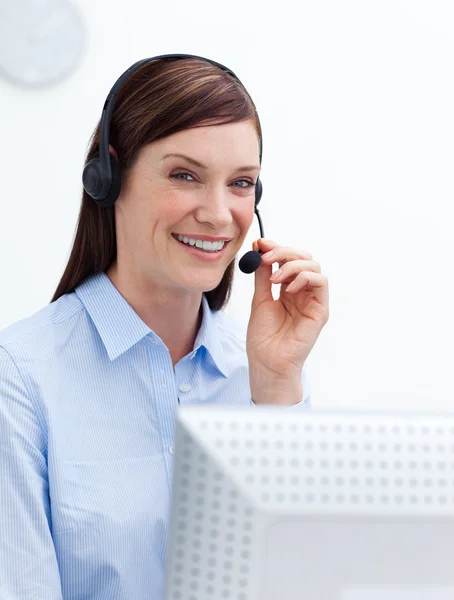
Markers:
(183, 176)
(243, 183)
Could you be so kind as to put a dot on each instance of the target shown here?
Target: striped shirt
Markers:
(88, 395)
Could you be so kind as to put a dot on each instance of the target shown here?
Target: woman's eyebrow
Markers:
(201, 166)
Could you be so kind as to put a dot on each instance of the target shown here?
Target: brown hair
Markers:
(163, 97)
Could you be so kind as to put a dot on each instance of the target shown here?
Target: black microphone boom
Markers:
(251, 261)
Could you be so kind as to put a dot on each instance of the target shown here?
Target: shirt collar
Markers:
(209, 337)
(120, 327)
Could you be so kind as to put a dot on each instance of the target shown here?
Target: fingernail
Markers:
(276, 275)
(268, 255)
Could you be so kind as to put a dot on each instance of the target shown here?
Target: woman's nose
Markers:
(215, 209)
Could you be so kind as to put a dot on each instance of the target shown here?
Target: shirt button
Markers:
(172, 449)
(184, 387)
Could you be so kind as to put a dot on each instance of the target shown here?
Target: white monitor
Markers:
(275, 504)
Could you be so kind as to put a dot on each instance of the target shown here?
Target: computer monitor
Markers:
(275, 504)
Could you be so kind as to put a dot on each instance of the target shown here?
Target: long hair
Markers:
(163, 97)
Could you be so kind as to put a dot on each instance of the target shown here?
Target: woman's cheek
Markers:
(246, 218)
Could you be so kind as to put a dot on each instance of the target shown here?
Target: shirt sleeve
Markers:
(305, 402)
(28, 563)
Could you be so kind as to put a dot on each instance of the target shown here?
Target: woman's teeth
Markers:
(201, 244)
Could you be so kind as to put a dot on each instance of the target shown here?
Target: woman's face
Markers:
(186, 205)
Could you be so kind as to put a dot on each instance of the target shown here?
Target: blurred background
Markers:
(356, 102)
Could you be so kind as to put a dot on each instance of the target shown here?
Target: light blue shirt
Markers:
(87, 401)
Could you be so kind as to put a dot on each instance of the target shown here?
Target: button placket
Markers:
(163, 401)
(183, 373)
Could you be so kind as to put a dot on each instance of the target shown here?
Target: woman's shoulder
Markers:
(32, 332)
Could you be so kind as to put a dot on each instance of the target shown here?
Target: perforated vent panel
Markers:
(213, 529)
(236, 470)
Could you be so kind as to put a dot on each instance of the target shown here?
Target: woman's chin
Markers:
(198, 282)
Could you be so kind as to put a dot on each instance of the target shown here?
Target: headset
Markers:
(101, 176)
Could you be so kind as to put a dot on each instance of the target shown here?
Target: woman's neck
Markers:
(175, 318)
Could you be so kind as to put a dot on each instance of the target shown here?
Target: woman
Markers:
(89, 385)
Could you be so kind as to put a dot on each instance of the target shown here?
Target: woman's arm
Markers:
(28, 564)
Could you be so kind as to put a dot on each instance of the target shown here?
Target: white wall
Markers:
(356, 100)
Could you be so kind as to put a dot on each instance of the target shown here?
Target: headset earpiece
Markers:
(258, 191)
(97, 183)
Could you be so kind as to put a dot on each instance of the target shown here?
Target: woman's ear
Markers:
(113, 152)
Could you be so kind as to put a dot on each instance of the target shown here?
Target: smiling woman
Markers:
(90, 384)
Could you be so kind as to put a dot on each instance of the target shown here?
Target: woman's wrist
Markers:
(276, 389)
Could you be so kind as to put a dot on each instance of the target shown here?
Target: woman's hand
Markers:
(282, 332)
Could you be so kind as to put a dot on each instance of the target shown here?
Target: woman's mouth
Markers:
(204, 245)
(206, 248)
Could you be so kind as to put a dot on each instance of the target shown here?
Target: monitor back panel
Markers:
(271, 504)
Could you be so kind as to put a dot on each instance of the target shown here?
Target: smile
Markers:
(204, 250)
(203, 245)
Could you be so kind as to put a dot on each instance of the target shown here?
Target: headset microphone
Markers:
(250, 261)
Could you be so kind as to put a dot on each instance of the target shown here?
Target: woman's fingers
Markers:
(273, 252)
(306, 279)
(291, 269)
